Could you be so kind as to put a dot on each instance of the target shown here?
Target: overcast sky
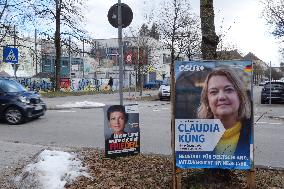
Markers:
(249, 32)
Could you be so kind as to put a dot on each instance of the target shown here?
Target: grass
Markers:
(63, 94)
(52, 94)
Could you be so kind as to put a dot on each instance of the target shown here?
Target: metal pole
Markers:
(36, 50)
(270, 83)
(83, 58)
(15, 47)
(135, 69)
(139, 67)
(70, 64)
(120, 53)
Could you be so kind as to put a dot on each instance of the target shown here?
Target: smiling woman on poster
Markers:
(224, 97)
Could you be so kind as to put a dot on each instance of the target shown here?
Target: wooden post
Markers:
(178, 178)
(251, 172)
(176, 171)
(251, 179)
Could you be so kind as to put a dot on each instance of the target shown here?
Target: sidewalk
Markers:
(107, 99)
(273, 111)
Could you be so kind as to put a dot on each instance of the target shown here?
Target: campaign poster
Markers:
(214, 114)
(122, 132)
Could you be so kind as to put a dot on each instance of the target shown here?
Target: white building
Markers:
(26, 54)
(156, 63)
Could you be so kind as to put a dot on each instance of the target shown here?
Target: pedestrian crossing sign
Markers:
(10, 55)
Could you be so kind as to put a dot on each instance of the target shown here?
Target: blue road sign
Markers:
(10, 55)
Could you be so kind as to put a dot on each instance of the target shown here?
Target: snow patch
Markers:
(52, 170)
(80, 104)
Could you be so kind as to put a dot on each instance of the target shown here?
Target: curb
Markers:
(68, 108)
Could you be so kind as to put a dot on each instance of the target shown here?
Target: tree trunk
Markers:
(140, 78)
(57, 46)
(209, 38)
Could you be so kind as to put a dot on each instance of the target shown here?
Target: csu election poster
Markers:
(122, 133)
(213, 120)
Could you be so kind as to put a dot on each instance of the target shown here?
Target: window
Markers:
(47, 63)
(11, 86)
(64, 63)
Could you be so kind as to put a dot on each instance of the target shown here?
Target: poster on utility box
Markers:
(122, 133)
(213, 121)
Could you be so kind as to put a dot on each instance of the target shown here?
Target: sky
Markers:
(248, 30)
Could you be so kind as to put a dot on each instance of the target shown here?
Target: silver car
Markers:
(164, 92)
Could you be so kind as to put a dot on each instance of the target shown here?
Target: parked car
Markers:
(164, 92)
(17, 105)
(153, 84)
(277, 92)
(262, 83)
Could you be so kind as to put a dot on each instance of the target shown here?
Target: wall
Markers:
(73, 85)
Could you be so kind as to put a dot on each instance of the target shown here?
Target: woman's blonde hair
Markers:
(204, 111)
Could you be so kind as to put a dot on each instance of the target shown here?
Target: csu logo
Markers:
(191, 68)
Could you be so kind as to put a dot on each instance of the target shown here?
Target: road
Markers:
(268, 132)
(84, 128)
(79, 128)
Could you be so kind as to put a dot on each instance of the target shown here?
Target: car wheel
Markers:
(14, 116)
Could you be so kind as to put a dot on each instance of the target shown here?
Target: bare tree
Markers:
(209, 38)
(142, 46)
(174, 22)
(58, 19)
(10, 12)
(3, 19)
(192, 40)
(274, 14)
(154, 32)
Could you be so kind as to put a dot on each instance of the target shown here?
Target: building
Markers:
(29, 53)
(144, 57)
(259, 67)
(76, 70)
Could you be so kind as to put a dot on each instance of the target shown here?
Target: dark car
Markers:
(17, 105)
(262, 83)
(277, 92)
(153, 84)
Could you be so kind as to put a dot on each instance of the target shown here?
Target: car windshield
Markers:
(11, 86)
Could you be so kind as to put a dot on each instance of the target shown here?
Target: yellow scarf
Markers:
(228, 142)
